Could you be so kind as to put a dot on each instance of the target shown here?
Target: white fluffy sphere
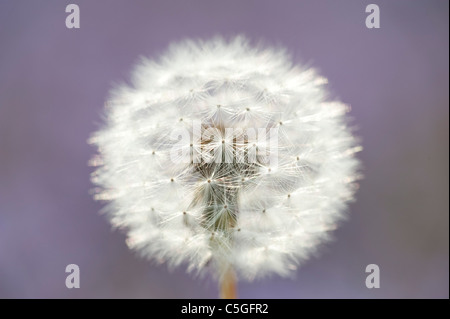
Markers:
(221, 154)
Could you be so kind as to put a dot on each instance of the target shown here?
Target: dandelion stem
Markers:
(228, 285)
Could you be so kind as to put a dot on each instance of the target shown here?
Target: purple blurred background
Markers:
(53, 83)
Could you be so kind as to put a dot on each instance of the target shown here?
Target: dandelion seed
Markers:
(229, 99)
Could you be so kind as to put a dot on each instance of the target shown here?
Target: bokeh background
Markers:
(53, 83)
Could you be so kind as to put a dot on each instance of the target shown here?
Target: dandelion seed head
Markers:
(215, 103)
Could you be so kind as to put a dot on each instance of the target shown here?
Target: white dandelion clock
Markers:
(226, 157)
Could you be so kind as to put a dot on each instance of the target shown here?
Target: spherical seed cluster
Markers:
(221, 154)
